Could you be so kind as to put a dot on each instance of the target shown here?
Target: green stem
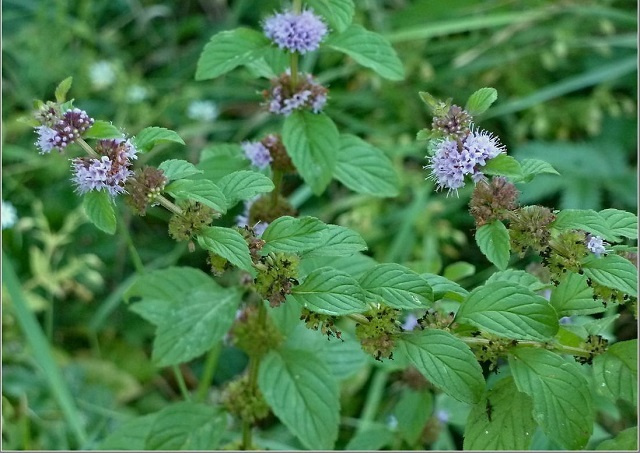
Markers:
(48, 319)
(181, 384)
(135, 257)
(357, 317)
(563, 349)
(209, 370)
(84, 145)
(374, 396)
(277, 182)
(254, 366)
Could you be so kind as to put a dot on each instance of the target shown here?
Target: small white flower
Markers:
(102, 74)
(136, 94)
(9, 215)
(596, 246)
(202, 111)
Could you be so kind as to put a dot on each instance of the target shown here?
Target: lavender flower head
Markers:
(295, 32)
(257, 153)
(64, 131)
(283, 100)
(453, 159)
(410, 322)
(596, 246)
(109, 172)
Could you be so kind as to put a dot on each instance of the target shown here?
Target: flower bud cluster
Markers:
(377, 337)
(492, 351)
(277, 275)
(433, 319)
(59, 130)
(144, 187)
(253, 335)
(529, 227)
(268, 151)
(595, 345)
(243, 401)
(283, 99)
(564, 253)
(493, 201)
(261, 211)
(194, 218)
(324, 323)
(454, 122)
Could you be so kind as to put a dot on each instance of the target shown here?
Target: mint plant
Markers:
(280, 284)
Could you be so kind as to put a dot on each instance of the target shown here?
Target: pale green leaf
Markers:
(518, 277)
(509, 310)
(303, 394)
(480, 101)
(167, 284)
(338, 13)
(612, 271)
(621, 223)
(625, 440)
(130, 434)
(102, 130)
(98, 206)
(396, 286)
(562, 402)
(503, 165)
(178, 169)
(243, 185)
(583, 219)
(533, 167)
(62, 89)
(493, 240)
(370, 50)
(616, 371)
(412, 413)
(445, 288)
(446, 361)
(229, 244)
(338, 241)
(149, 136)
(330, 292)
(288, 234)
(200, 190)
(574, 297)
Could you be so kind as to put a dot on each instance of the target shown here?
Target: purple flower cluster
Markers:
(108, 172)
(596, 246)
(64, 131)
(282, 100)
(455, 159)
(295, 32)
(257, 153)
(242, 220)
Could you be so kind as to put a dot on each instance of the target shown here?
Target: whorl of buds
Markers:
(564, 253)
(263, 209)
(455, 123)
(529, 227)
(254, 335)
(244, 401)
(277, 273)
(324, 323)
(378, 336)
(144, 187)
(283, 99)
(194, 218)
(491, 201)
(492, 351)
(595, 345)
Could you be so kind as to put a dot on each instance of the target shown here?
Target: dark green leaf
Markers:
(62, 89)
(229, 244)
(583, 219)
(186, 426)
(243, 185)
(621, 223)
(201, 190)
(396, 286)
(369, 49)
(98, 206)
(303, 394)
(533, 167)
(130, 434)
(330, 292)
(509, 310)
(312, 141)
(445, 288)
(446, 361)
(519, 277)
(574, 297)
(503, 165)
(612, 271)
(625, 440)
(480, 101)
(562, 403)
(288, 234)
(375, 437)
(412, 412)
(493, 240)
(338, 241)
(102, 130)
(229, 49)
(338, 13)
(149, 136)
(502, 420)
(178, 169)
(168, 284)
(616, 371)
(365, 169)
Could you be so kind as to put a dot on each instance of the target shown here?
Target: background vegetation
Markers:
(566, 74)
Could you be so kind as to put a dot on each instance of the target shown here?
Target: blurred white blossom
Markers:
(102, 74)
(202, 110)
(9, 215)
(136, 94)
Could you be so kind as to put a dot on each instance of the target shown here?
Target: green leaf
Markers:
(193, 324)
(98, 206)
(459, 270)
(480, 101)
(244, 185)
(178, 169)
(583, 219)
(493, 240)
(102, 130)
(562, 403)
(330, 292)
(621, 223)
(186, 426)
(445, 288)
(338, 241)
(370, 50)
(617, 371)
(510, 425)
(338, 13)
(375, 437)
(412, 412)
(201, 190)
(612, 271)
(130, 434)
(503, 165)
(312, 142)
(574, 297)
(509, 310)
(229, 49)
(303, 394)
(167, 284)
(288, 234)
(149, 136)
(229, 244)
(446, 361)
(365, 169)
(396, 286)
(625, 440)
(533, 167)
(518, 277)
(62, 89)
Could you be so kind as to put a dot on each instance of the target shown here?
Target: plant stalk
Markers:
(278, 176)
(209, 370)
(181, 384)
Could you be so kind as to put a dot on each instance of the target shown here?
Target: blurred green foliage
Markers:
(566, 73)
